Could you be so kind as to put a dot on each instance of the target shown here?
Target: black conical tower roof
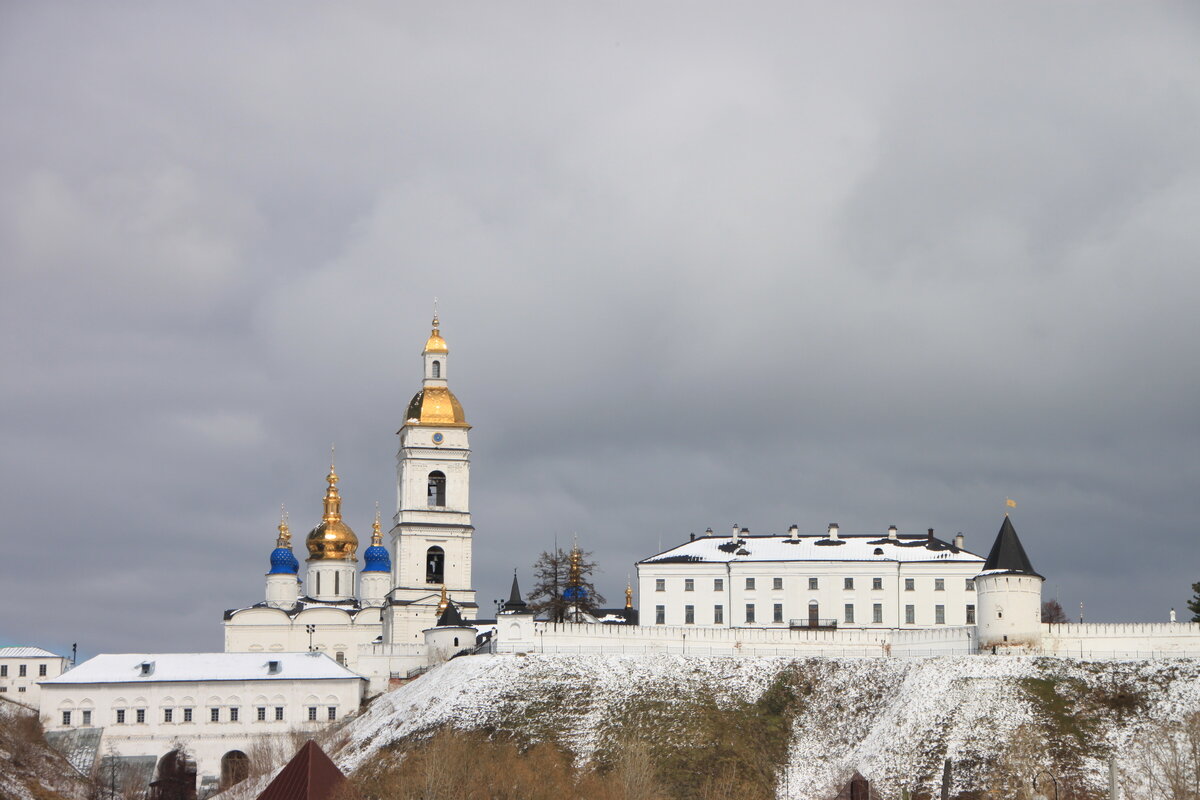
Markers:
(1007, 553)
(515, 603)
(451, 618)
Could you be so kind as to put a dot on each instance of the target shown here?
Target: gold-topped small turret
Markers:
(332, 539)
(628, 594)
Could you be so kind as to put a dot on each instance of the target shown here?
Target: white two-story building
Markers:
(216, 706)
(22, 667)
(888, 580)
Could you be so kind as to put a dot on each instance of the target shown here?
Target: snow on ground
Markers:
(893, 720)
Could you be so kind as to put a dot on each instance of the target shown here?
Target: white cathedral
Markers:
(374, 620)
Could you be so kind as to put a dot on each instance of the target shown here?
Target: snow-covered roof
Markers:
(26, 652)
(847, 547)
(127, 668)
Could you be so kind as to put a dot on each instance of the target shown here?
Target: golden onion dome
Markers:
(435, 343)
(332, 540)
(436, 405)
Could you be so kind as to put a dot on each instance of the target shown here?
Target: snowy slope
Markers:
(893, 720)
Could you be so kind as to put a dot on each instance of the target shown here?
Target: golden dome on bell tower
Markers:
(332, 540)
(435, 343)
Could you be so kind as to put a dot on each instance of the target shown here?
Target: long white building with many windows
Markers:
(829, 581)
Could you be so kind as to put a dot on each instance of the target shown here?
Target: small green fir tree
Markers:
(1194, 603)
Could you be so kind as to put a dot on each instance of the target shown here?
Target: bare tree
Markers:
(1166, 765)
(1052, 611)
(553, 591)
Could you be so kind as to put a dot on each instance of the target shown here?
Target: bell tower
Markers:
(432, 533)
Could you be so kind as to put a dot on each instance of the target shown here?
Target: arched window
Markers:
(437, 369)
(437, 488)
(435, 565)
(341, 657)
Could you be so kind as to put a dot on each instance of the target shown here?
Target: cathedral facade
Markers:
(372, 617)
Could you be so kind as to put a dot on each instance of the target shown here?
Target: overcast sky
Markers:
(697, 264)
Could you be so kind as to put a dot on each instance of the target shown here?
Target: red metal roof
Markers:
(310, 775)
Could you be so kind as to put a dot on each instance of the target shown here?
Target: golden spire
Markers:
(333, 501)
(376, 536)
(285, 535)
(574, 573)
(628, 593)
(444, 602)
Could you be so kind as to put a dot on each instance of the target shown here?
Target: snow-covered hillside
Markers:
(892, 720)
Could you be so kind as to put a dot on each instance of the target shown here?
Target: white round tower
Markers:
(450, 636)
(1009, 594)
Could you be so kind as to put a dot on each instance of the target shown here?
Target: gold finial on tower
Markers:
(332, 539)
(435, 343)
(285, 534)
(628, 593)
(444, 602)
(376, 535)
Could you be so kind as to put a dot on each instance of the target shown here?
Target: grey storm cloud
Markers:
(697, 264)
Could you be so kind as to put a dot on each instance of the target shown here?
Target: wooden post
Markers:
(946, 780)
(1114, 791)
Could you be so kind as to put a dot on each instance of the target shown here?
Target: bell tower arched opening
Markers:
(435, 565)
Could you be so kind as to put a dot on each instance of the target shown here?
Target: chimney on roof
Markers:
(833, 530)
(692, 537)
(958, 540)
(794, 532)
(708, 532)
(736, 529)
(892, 530)
(930, 534)
(745, 531)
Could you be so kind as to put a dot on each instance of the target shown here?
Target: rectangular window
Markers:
(660, 615)
(168, 714)
(910, 584)
(279, 713)
(262, 713)
(3, 670)
(876, 584)
(660, 584)
(970, 615)
(749, 613)
(312, 713)
(689, 615)
(214, 715)
(877, 613)
(812, 584)
(849, 612)
(66, 718)
(42, 670)
(120, 716)
(970, 584)
(718, 584)
(749, 584)
(848, 583)
(187, 715)
(939, 615)
(777, 584)
(233, 715)
(140, 716)
(87, 716)
(910, 615)
(718, 615)
(21, 671)
(939, 584)
(689, 585)
(777, 613)
(332, 711)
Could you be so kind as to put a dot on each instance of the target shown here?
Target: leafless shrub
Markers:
(1165, 765)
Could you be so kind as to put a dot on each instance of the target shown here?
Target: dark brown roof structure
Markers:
(310, 775)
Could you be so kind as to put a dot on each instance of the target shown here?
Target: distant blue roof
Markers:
(376, 559)
(575, 593)
(283, 562)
